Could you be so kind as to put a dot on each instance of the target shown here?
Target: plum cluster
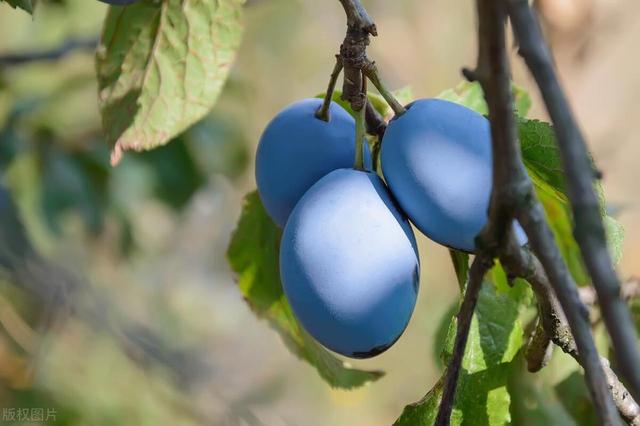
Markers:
(348, 257)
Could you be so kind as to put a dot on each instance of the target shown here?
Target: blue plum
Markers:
(349, 264)
(437, 161)
(297, 149)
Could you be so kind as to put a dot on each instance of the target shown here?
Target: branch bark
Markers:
(513, 194)
(555, 329)
(589, 230)
(479, 267)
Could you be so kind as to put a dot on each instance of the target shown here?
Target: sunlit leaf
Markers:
(495, 337)
(161, 66)
(472, 96)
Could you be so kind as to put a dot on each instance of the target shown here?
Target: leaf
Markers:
(460, 262)
(376, 100)
(574, 396)
(161, 66)
(558, 213)
(540, 153)
(472, 96)
(541, 156)
(403, 96)
(495, 337)
(615, 238)
(26, 5)
(253, 256)
(532, 402)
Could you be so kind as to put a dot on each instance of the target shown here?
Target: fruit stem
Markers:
(323, 112)
(361, 128)
(371, 72)
(360, 138)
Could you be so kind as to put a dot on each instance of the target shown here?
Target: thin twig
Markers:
(480, 265)
(58, 52)
(589, 230)
(554, 323)
(630, 290)
(539, 348)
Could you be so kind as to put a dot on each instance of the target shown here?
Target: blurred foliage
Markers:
(134, 342)
(54, 162)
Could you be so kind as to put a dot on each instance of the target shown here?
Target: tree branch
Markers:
(630, 290)
(556, 329)
(513, 195)
(358, 18)
(479, 267)
(69, 46)
(589, 230)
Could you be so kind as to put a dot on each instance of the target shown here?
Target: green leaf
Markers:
(376, 100)
(253, 256)
(495, 337)
(615, 238)
(26, 5)
(541, 156)
(403, 96)
(540, 153)
(460, 262)
(574, 396)
(558, 213)
(533, 403)
(161, 66)
(472, 96)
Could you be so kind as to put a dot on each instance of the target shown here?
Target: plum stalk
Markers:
(357, 68)
(361, 129)
(323, 111)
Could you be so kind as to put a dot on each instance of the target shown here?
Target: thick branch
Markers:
(513, 193)
(353, 55)
(589, 230)
(358, 18)
(480, 265)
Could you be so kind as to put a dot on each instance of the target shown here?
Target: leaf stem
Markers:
(323, 112)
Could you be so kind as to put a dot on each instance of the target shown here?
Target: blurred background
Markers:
(119, 307)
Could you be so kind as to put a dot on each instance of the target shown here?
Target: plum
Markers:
(297, 149)
(349, 264)
(437, 161)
